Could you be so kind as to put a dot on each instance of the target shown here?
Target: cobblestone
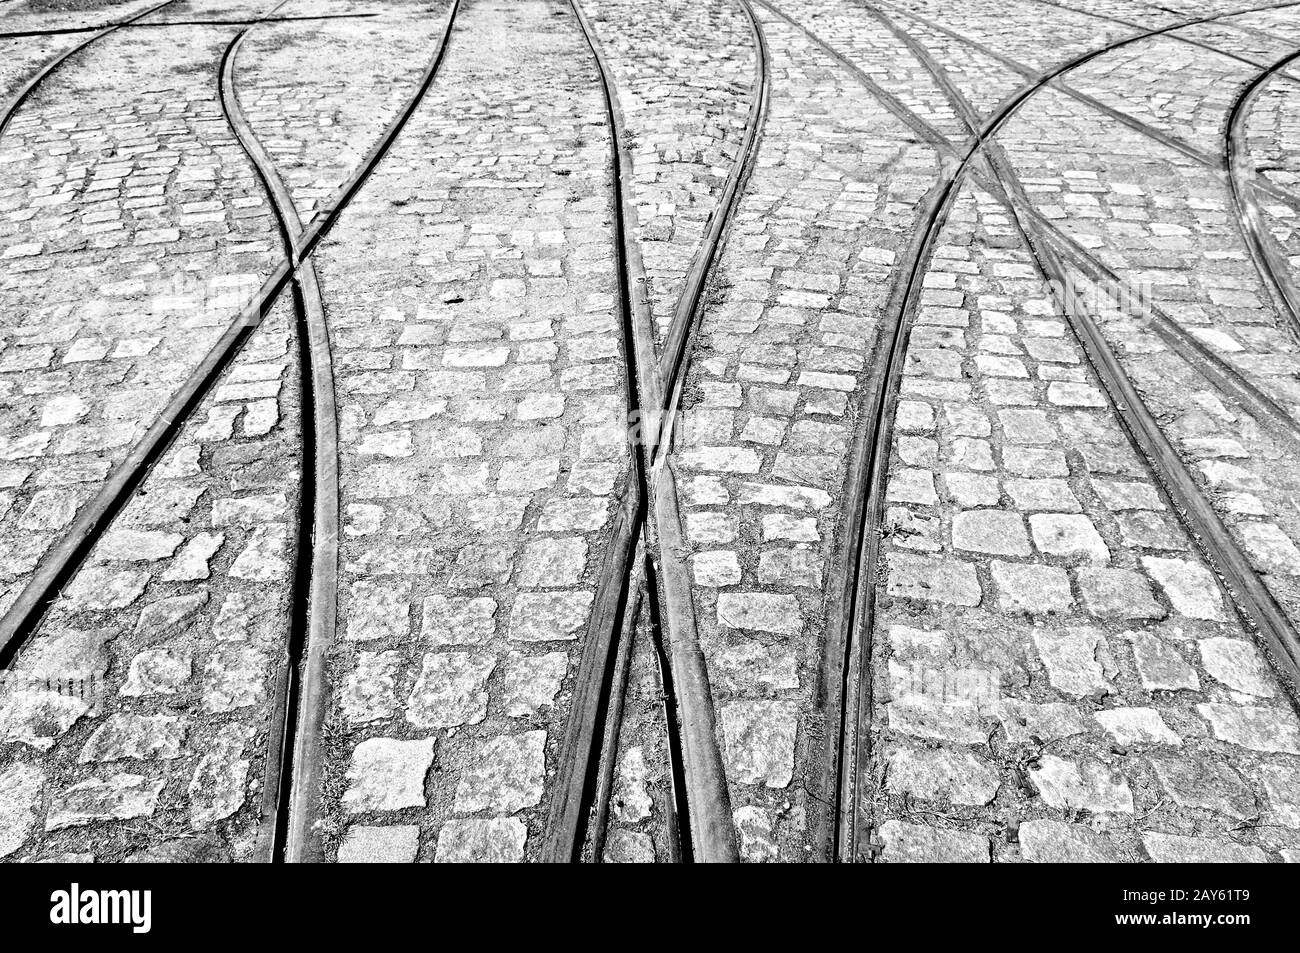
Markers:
(98, 172)
(1165, 223)
(1052, 842)
(156, 654)
(394, 844)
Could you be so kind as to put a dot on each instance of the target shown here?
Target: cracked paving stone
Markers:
(1204, 784)
(754, 830)
(158, 672)
(38, 718)
(139, 737)
(532, 682)
(628, 847)
(1117, 593)
(129, 545)
(96, 588)
(1282, 784)
(263, 559)
(1259, 729)
(1072, 660)
(941, 775)
(1137, 726)
(1237, 664)
(936, 579)
(632, 801)
(169, 616)
(754, 667)
(760, 611)
(1191, 588)
(1088, 786)
(1161, 667)
(232, 678)
(219, 785)
(1040, 724)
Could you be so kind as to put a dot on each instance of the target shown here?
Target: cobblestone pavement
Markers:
(339, 522)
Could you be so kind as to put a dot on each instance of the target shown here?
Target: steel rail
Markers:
(577, 771)
(703, 775)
